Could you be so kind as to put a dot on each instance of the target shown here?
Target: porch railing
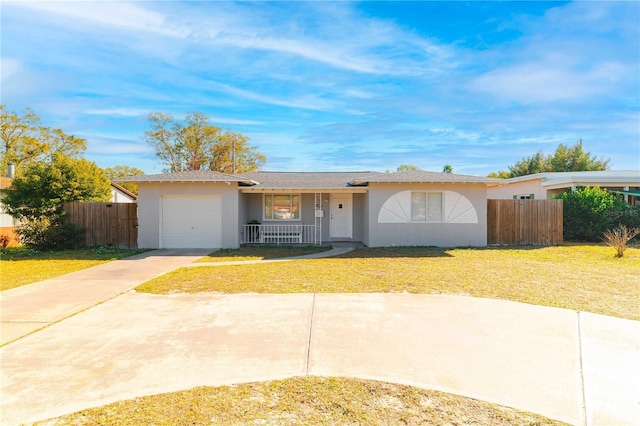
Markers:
(278, 234)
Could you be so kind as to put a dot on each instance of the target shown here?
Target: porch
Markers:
(279, 234)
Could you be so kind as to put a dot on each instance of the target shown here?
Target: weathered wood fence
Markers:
(524, 222)
(106, 224)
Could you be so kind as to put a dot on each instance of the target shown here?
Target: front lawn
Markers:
(577, 276)
(303, 401)
(20, 265)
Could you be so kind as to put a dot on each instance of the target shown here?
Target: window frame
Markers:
(426, 207)
(291, 204)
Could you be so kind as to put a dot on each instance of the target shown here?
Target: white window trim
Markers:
(290, 194)
(441, 208)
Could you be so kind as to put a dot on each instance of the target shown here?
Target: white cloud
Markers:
(308, 102)
(576, 52)
(107, 145)
(236, 121)
(109, 13)
(118, 112)
(9, 67)
(546, 82)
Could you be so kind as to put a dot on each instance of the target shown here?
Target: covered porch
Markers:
(301, 217)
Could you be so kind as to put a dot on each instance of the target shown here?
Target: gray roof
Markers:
(189, 176)
(309, 180)
(420, 176)
(305, 180)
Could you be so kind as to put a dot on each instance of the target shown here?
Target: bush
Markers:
(590, 212)
(42, 234)
(619, 237)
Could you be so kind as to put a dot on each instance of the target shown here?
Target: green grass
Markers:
(579, 277)
(20, 266)
(261, 253)
(303, 401)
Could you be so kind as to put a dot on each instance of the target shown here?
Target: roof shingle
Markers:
(305, 180)
(188, 176)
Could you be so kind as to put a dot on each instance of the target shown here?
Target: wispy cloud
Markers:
(320, 84)
(548, 82)
(554, 61)
(309, 102)
(123, 15)
(118, 112)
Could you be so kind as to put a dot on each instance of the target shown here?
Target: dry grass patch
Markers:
(303, 400)
(20, 266)
(261, 253)
(579, 277)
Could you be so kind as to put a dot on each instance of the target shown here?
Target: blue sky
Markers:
(335, 86)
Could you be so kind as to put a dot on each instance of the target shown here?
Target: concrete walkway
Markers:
(336, 251)
(576, 367)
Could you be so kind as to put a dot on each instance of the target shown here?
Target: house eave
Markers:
(255, 190)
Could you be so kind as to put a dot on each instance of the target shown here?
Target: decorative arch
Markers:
(456, 208)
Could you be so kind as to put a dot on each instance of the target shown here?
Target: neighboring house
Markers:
(202, 209)
(6, 221)
(120, 194)
(543, 185)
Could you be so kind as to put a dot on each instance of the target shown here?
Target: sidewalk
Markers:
(577, 367)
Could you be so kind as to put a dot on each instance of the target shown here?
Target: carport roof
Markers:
(189, 176)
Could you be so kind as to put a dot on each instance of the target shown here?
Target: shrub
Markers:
(590, 212)
(42, 234)
(619, 237)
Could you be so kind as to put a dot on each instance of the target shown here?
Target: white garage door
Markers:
(191, 221)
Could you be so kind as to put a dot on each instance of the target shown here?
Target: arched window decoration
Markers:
(406, 207)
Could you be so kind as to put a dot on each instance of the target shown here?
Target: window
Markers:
(524, 197)
(282, 207)
(426, 206)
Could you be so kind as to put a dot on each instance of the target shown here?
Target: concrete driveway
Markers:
(576, 367)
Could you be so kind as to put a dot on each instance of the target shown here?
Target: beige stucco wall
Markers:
(507, 191)
(426, 234)
(150, 203)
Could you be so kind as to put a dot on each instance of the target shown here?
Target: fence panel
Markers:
(524, 222)
(106, 224)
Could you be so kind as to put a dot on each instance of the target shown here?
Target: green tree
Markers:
(195, 144)
(564, 159)
(39, 192)
(122, 172)
(503, 174)
(26, 141)
(591, 211)
(529, 165)
(448, 168)
(407, 168)
(574, 159)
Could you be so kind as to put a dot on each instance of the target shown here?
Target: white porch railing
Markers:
(278, 234)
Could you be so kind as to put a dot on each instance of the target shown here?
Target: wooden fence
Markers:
(524, 222)
(106, 224)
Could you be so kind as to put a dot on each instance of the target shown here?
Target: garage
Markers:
(191, 221)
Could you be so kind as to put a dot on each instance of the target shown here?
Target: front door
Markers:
(341, 215)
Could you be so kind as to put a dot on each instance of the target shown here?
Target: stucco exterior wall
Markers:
(150, 204)
(439, 234)
(506, 192)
